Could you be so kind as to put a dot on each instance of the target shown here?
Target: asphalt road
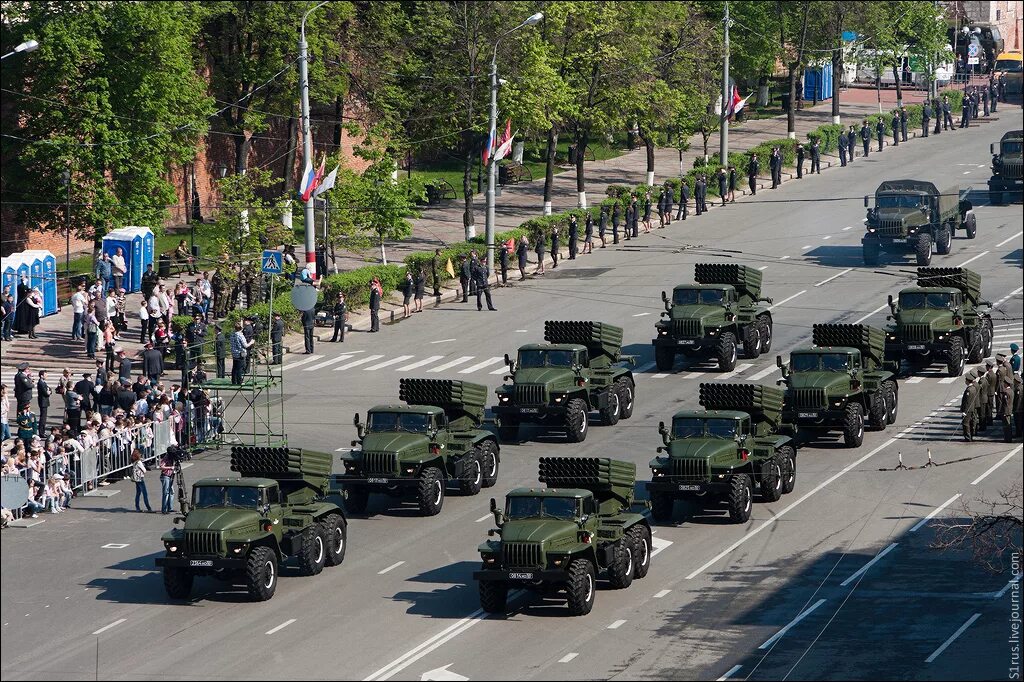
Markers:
(784, 596)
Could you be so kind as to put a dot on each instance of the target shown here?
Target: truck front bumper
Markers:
(890, 243)
(816, 418)
(901, 349)
(202, 563)
(701, 345)
(521, 575)
(677, 486)
(527, 413)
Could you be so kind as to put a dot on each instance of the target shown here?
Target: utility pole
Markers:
(307, 142)
(723, 146)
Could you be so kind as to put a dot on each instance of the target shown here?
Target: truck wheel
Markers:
(177, 582)
(313, 552)
(620, 570)
(787, 458)
(335, 534)
(853, 425)
(508, 431)
(943, 240)
(493, 596)
(872, 254)
(662, 506)
(924, 249)
(892, 400)
(740, 498)
(771, 480)
(610, 414)
(490, 463)
(625, 388)
(725, 352)
(878, 411)
(472, 475)
(664, 358)
(971, 225)
(752, 341)
(261, 573)
(766, 333)
(357, 499)
(955, 357)
(576, 421)
(430, 493)
(581, 587)
(640, 534)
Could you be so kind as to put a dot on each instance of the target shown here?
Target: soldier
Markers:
(894, 128)
(926, 117)
(554, 249)
(435, 267)
(903, 122)
(986, 394)
(43, 392)
(573, 236)
(842, 148)
(277, 337)
(503, 252)
(588, 233)
(1004, 396)
(799, 161)
(865, 138)
(816, 156)
(775, 166)
(1014, 357)
(965, 112)
(992, 94)
(602, 226)
(376, 294)
(702, 194)
(635, 224)
(1018, 404)
(752, 169)
(947, 115)
(220, 351)
(482, 279)
(969, 407)
(880, 132)
(851, 143)
(723, 185)
(616, 219)
(464, 270)
(684, 200)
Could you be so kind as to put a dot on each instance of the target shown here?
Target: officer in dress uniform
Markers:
(926, 117)
(894, 128)
(752, 170)
(969, 407)
(903, 122)
(800, 161)
(880, 132)
(816, 156)
(573, 236)
(865, 138)
(842, 149)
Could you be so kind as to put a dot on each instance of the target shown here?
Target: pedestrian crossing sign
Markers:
(271, 262)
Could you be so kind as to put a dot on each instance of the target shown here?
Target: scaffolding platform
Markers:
(251, 413)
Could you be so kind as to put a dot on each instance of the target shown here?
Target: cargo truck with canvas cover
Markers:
(559, 539)
(1006, 169)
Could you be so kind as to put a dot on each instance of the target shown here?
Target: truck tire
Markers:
(430, 492)
(357, 498)
(971, 225)
(955, 357)
(787, 458)
(878, 411)
(770, 485)
(740, 498)
(662, 507)
(178, 582)
(853, 425)
(943, 239)
(610, 414)
(924, 249)
(621, 568)
(872, 253)
(766, 333)
(581, 587)
(664, 358)
(576, 421)
(491, 463)
(261, 573)
(892, 400)
(725, 352)
(493, 596)
(335, 534)
(508, 431)
(472, 474)
(313, 551)
(627, 396)
(752, 341)
(641, 537)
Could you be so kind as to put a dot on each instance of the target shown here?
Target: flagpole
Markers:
(307, 143)
(723, 146)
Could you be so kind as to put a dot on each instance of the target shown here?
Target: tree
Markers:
(793, 24)
(386, 205)
(988, 528)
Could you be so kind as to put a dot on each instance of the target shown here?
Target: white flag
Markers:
(502, 151)
(328, 182)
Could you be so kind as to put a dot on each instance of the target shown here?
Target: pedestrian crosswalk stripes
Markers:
(301, 362)
(480, 365)
(420, 363)
(388, 363)
(327, 363)
(356, 363)
(453, 363)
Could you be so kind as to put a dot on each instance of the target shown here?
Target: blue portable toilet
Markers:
(43, 266)
(818, 82)
(138, 245)
(9, 272)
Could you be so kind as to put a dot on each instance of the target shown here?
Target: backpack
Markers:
(137, 474)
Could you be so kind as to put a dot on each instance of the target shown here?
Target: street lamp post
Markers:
(492, 169)
(307, 142)
(27, 46)
(723, 142)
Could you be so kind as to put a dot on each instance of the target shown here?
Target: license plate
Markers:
(201, 563)
(376, 480)
(808, 415)
(687, 342)
(916, 346)
(689, 487)
(530, 410)
(901, 240)
(520, 576)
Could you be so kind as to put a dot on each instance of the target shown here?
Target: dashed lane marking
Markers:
(661, 594)
(617, 624)
(644, 367)
(391, 567)
(952, 638)
(967, 172)
(782, 633)
(660, 375)
(804, 248)
(567, 658)
(442, 341)
(998, 464)
(659, 545)
(641, 314)
(866, 567)
(786, 300)
(935, 512)
(1006, 298)
(483, 518)
(743, 367)
(693, 375)
(948, 380)
(114, 545)
(784, 258)
(356, 363)
(835, 276)
(107, 627)
(420, 363)
(1013, 581)
(876, 310)
(280, 627)
(848, 227)
(480, 365)
(763, 268)
(732, 671)
(826, 237)
(1009, 239)
(914, 380)
(973, 258)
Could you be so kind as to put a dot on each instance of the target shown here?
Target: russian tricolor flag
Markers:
(311, 179)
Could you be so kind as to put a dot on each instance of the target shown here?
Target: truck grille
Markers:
(809, 398)
(380, 463)
(525, 554)
(1011, 171)
(690, 469)
(687, 329)
(529, 394)
(915, 332)
(890, 228)
(202, 542)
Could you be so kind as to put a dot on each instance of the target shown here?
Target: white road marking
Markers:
(948, 380)
(827, 236)
(1009, 239)
(952, 638)
(453, 363)
(501, 370)
(443, 341)
(661, 594)
(935, 512)
(420, 363)
(998, 464)
(967, 172)
(107, 627)
(982, 166)
(391, 567)
(763, 268)
(1008, 336)
(297, 363)
(567, 658)
(786, 300)
(913, 380)
(732, 671)
(356, 363)
(848, 227)
(443, 674)
(660, 375)
(763, 373)
(280, 627)
(480, 365)
(876, 310)
(616, 625)
(388, 363)
(1013, 581)
(835, 276)
(326, 363)
(781, 633)
(693, 375)
(739, 368)
(864, 569)
(1010, 295)
(804, 248)
(641, 314)
(658, 545)
(114, 545)
(973, 258)
(644, 367)
(343, 449)
(483, 518)
(784, 258)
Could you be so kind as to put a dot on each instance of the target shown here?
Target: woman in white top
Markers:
(118, 268)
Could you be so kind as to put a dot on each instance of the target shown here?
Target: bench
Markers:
(439, 190)
(514, 173)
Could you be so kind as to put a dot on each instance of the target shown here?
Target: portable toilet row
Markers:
(40, 267)
(137, 244)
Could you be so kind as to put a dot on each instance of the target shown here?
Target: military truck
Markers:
(841, 382)
(940, 321)
(914, 214)
(559, 383)
(559, 539)
(714, 316)
(243, 529)
(421, 447)
(737, 443)
(1006, 168)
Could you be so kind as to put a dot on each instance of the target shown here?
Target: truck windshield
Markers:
(208, 496)
(922, 300)
(1008, 65)
(821, 362)
(897, 201)
(533, 507)
(381, 422)
(698, 296)
(546, 358)
(695, 427)
(1010, 147)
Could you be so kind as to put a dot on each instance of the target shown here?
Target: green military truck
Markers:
(940, 321)
(713, 317)
(559, 383)
(841, 382)
(915, 215)
(558, 539)
(1006, 168)
(739, 441)
(243, 529)
(420, 448)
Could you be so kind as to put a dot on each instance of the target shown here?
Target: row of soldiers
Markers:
(993, 392)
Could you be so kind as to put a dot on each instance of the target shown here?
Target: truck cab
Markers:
(914, 214)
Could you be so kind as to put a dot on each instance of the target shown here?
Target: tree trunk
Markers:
(648, 141)
(468, 221)
(383, 255)
(549, 168)
(339, 115)
(242, 144)
(582, 139)
(791, 114)
(837, 70)
(898, 76)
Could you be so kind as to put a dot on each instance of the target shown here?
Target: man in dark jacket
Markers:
(277, 340)
(86, 391)
(465, 271)
(220, 351)
(865, 138)
(842, 148)
(43, 392)
(196, 335)
(799, 161)
(947, 115)
(23, 387)
(816, 156)
(522, 250)
(149, 281)
(152, 363)
(851, 143)
(775, 166)
(375, 297)
(503, 261)
(340, 311)
(752, 170)
(894, 128)
(435, 269)
(124, 365)
(992, 91)
(926, 117)
(880, 132)
(574, 236)
(126, 397)
(669, 197)
(684, 201)
(965, 112)
(308, 322)
(698, 194)
(481, 281)
(903, 122)
(554, 255)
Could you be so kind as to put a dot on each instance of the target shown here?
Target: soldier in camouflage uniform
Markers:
(969, 406)
(1004, 396)
(986, 394)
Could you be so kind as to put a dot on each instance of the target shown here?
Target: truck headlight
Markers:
(559, 398)
(712, 332)
(502, 398)
(658, 472)
(663, 332)
(837, 403)
(871, 230)
(410, 470)
(237, 548)
(489, 558)
(172, 547)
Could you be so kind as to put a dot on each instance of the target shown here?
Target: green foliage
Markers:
(355, 284)
(827, 136)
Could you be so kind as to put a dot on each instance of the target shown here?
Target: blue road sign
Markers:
(271, 262)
